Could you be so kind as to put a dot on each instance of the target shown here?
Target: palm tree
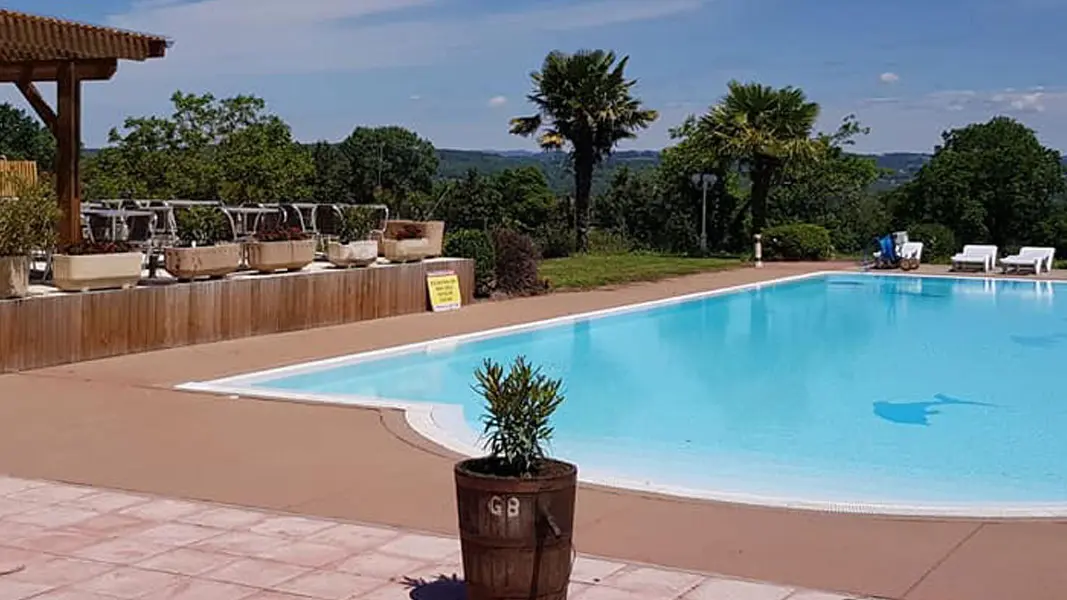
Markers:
(583, 100)
(763, 128)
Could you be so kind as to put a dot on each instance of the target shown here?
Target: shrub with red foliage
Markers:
(291, 234)
(409, 231)
(516, 263)
(85, 247)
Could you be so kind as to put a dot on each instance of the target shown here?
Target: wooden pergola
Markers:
(35, 48)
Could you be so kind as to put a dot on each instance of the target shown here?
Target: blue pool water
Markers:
(833, 388)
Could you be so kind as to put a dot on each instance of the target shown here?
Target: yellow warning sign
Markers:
(444, 290)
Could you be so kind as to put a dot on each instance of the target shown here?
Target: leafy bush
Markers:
(519, 406)
(605, 241)
(475, 244)
(202, 226)
(939, 243)
(28, 221)
(356, 224)
(282, 234)
(410, 231)
(797, 241)
(516, 263)
(86, 247)
(555, 241)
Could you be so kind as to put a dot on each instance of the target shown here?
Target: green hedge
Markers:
(797, 241)
(939, 243)
(478, 245)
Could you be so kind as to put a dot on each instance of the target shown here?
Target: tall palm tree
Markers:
(583, 100)
(763, 128)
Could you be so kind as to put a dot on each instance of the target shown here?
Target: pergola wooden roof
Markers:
(35, 48)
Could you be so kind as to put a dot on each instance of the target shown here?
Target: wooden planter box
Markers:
(267, 257)
(402, 251)
(433, 230)
(204, 261)
(14, 276)
(73, 273)
(352, 254)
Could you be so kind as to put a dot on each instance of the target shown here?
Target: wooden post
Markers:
(68, 142)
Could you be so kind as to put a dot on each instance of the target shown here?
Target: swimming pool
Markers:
(863, 392)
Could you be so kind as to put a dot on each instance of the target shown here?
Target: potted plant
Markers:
(354, 248)
(27, 223)
(516, 505)
(434, 232)
(202, 250)
(406, 244)
(89, 265)
(289, 249)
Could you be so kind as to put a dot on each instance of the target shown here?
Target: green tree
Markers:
(526, 200)
(22, 137)
(332, 174)
(388, 160)
(987, 182)
(206, 149)
(763, 128)
(583, 100)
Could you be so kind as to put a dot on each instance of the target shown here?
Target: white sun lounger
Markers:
(1029, 258)
(912, 250)
(976, 255)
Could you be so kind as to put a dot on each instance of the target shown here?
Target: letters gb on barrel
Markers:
(516, 533)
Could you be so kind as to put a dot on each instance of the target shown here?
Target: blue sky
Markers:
(456, 70)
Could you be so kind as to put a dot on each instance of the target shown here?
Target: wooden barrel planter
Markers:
(516, 534)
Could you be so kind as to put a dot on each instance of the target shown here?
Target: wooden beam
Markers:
(68, 143)
(86, 70)
(33, 96)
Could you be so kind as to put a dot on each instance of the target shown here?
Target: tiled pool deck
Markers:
(119, 424)
(72, 542)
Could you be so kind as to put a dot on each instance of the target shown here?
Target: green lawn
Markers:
(585, 271)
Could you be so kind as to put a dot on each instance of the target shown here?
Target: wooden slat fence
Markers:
(61, 329)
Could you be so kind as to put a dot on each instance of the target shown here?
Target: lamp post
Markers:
(702, 181)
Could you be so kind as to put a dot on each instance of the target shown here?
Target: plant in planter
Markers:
(406, 243)
(203, 248)
(89, 265)
(516, 505)
(27, 223)
(434, 231)
(289, 249)
(354, 247)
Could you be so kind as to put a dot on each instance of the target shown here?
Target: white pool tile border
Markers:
(444, 424)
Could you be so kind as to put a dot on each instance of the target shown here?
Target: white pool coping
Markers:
(444, 424)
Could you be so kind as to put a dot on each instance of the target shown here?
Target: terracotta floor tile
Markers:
(107, 501)
(327, 585)
(69, 594)
(128, 583)
(121, 551)
(162, 510)
(112, 525)
(187, 561)
(422, 547)
(176, 534)
(199, 589)
(51, 493)
(380, 566)
(391, 591)
(10, 530)
(354, 537)
(807, 595)
(265, 595)
(55, 541)
(242, 543)
(296, 527)
(13, 558)
(254, 572)
(577, 588)
(53, 516)
(653, 582)
(592, 570)
(306, 554)
(225, 518)
(599, 592)
(61, 571)
(727, 589)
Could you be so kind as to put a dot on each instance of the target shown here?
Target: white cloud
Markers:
(248, 37)
(414, 97)
(497, 101)
(1005, 101)
(889, 77)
